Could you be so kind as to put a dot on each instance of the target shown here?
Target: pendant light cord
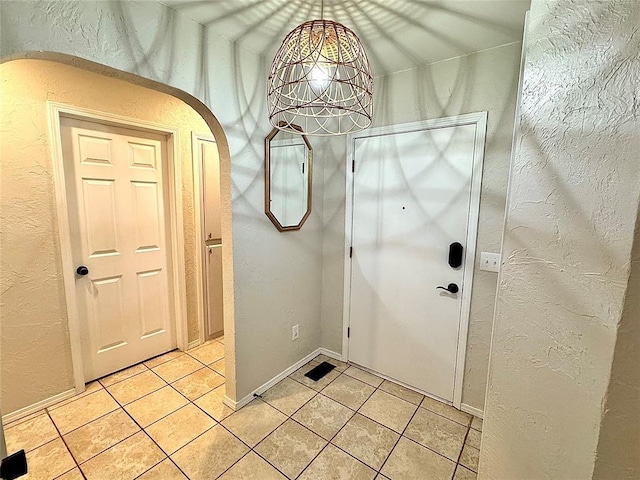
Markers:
(321, 9)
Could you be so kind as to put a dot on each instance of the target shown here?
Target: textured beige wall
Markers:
(571, 215)
(482, 81)
(35, 349)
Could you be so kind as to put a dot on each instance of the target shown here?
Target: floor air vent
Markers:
(319, 371)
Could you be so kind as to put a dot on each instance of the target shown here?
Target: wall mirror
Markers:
(288, 179)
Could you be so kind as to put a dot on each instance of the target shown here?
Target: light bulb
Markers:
(319, 78)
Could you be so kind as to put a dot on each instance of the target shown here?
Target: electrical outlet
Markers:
(490, 262)
(295, 332)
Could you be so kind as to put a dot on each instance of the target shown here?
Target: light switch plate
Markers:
(490, 262)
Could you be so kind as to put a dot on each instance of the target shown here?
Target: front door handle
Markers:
(451, 288)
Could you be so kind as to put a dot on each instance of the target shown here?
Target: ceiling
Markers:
(397, 34)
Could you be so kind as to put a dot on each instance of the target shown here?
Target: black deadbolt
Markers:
(455, 255)
(82, 270)
(451, 288)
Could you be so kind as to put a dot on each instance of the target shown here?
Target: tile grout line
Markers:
(407, 425)
(168, 456)
(313, 460)
(251, 449)
(303, 426)
(190, 373)
(401, 435)
(90, 421)
(148, 393)
(141, 430)
(396, 396)
(202, 410)
(378, 388)
(26, 418)
(40, 413)
(464, 442)
(71, 400)
(290, 417)
(287, 417)
(165, 361)
(398, 441)
(77, 465)
(298, 409)
(100, 380)
(329, 441)
(121, 407)
(426, 447)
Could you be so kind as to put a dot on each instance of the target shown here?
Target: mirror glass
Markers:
(288, 177)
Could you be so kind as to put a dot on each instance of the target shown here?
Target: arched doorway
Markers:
(35, 317)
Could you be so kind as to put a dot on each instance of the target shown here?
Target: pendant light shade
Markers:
(320, 81)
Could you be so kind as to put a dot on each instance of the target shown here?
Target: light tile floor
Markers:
(165, 420)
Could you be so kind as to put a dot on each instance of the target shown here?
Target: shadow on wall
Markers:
(229, 76)
(470, 82)
(482, 81)
(261, 26)
(404, 35)
(570, 285)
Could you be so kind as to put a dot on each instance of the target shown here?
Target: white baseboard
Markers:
(476, 412)
(402, 384)
(47, 402)
(193, 344)
(331, 354)
(245, 400)
(464, 407)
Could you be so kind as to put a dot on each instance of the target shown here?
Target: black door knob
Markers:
(82, 270)
(451, 288)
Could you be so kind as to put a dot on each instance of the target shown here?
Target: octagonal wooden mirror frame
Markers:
(267, 181)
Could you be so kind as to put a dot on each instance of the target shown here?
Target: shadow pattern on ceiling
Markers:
(397, 35)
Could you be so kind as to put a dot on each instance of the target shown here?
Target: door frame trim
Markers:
(55, 112)
(480, 120)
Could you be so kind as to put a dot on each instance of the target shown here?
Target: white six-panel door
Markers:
(115, 181)
(411, 200)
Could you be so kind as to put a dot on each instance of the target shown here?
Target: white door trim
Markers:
(480, 120)
(198, 195)
(55, 112)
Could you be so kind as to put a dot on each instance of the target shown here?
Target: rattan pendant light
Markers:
(320, 81)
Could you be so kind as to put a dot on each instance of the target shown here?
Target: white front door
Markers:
(117, 201)
(412, 200)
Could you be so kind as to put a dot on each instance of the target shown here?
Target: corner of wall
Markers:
(334, 178)
(619, 441)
